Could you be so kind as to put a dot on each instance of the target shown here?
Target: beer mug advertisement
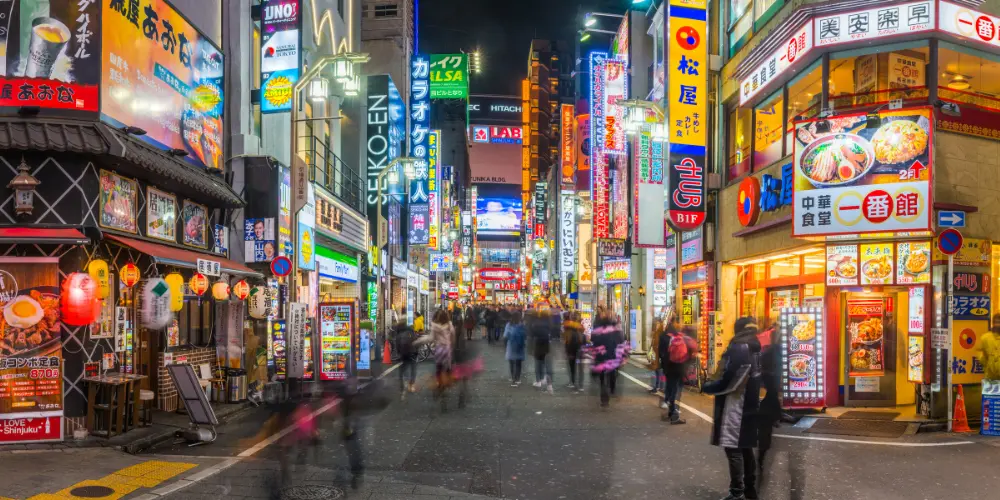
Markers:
(51, 51)
(160, 74)
(30, 341)
(856, 175)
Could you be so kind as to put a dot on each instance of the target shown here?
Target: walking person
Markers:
(406, 346)
(514, 336)
(443, 332)
(573, 341)
(539, 325)
(610, 350)
(470, 322)
(737, 399)
(770, 407)
(677, 350)
(655, 365)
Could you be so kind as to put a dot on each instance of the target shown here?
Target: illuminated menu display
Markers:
(336, 328)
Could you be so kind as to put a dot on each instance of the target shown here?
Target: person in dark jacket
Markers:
(770, 407)
(539, 325)
(610, 351)
(573, 341)
(675, 370)
(737, 399)
(405, 346)
(514, 336)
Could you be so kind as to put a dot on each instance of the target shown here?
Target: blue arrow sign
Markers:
(953, 218)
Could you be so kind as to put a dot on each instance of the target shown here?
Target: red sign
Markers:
(950, 241)
(281, 266)
(47, 94)
(27, 430)
(508, 285)
(865, 307)
(686, 194)
(499, 134)
(748, 201)
(972, 282)
(497, 274)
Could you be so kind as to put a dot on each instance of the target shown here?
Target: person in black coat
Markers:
(770, 407)
(737, 399)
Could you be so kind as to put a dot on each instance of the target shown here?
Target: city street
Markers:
(520, 443)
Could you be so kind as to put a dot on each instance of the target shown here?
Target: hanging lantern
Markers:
(156, 304)
(220, 290)
(98, 271)
(258, 302)
(198, 284)
(80, 305)
(176, 283)
(130, 274)
(241, 289)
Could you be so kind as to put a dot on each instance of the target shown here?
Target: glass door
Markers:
(870, 348)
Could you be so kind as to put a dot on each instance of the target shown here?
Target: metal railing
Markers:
(328, 170)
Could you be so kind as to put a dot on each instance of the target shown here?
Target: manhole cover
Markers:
(92, 491)
(312, 493)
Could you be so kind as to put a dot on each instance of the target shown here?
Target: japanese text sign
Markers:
(913, 262)
(280, 53)
(617, 271)
(162, 75)
(687, 98)
(802, 349)
(855, 179)
(599, 182)
(841, 265)
(874, 23)
(794, 49)
(420, 116)
(647, 217)
(567, 146)
(615, 90)
(567, 236)
(433, 193)
(969, 24)
(449, 76)
(876, 264)
(59, 43)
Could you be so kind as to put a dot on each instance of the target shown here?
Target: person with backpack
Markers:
(677, 349)
(405, 345)
(514, 336)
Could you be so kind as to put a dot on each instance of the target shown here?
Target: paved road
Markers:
(519, 443)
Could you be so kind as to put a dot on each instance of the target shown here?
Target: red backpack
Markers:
(678, 349)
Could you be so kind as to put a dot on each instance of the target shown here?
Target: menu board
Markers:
(876, 264)
(991, 414)
(841, 265)
(278, 341)
(915, 359)
(913, 262)
(865, 328)
(336, 327)
(30, 350)
(916, 311)
(802, 350)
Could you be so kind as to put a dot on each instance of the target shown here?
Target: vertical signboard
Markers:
(420, 117)
(647, 219)
(599, 193)
(687, 97)
(280, 39)
(449, 76)
(377, 145)
(295, 349)
(336, 326)
(433, 193)
(567, 155)
(802, 348)
(162, 75)
(567, 237)
(615, 90)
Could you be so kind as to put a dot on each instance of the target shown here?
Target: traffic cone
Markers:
(961, 423)
(386, 355)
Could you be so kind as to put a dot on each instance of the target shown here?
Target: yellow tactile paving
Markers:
(125, 481)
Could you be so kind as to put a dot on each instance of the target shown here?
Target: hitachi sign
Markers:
(503, 108)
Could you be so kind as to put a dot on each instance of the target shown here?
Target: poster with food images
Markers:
(913, 262)
(30, 343)
(876, 264)
(915, 359)
(842, 265)
(118, 202)
(336, 323)
(865, 329)
(855, 176)
(802, 341)
(194, 218)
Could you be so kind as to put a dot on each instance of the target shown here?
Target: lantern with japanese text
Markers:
(176, 283)
(198, 284)
(259, 302)
(220, 290)
(80, 305)
(130, 274)
(241, 289)
(98, 271)
(156, 304)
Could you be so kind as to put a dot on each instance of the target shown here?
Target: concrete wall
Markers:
(967, 172)
(206, 15)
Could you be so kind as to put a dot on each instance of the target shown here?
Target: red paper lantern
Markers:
(79, 305)
(130, 274)
(241, 290)
(198, 284)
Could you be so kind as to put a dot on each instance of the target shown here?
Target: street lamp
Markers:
(640, 113)
(590, 18)
(585, 33)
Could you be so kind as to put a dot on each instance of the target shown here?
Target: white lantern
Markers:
(352, 86)
(343, 69)
(259, 302)
(318, 89)
(156, 304)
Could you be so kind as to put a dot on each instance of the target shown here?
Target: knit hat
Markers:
(743, 324)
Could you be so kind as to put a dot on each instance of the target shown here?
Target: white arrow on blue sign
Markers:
(952, 218)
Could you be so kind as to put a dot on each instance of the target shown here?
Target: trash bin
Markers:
(237, 381)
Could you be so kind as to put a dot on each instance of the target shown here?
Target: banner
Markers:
(449, 76)
(50, 54)
(599, 182)
(567, 237)
(297, 318)
(420, 116)
(615, 90)
(160, 74)
(280, 54)
(647, 219)
(433, 199)
(567, 145)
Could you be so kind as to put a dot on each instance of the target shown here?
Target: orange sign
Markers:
(568, 145)
(198, 284)
(130, 274)
(241, 290)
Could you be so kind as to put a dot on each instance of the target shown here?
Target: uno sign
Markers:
(497, 274)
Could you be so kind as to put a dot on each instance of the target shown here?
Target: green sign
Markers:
(449, 76)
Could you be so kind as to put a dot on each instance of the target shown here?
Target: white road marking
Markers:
(810, 438)
(249, 452)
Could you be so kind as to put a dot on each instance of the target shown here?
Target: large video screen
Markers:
(498, 210)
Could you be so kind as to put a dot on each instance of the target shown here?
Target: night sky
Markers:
(503, 30)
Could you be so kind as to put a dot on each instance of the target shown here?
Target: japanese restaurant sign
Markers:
(336, 325)
(162, 75)
(687, 98)
(794, 49)
(567, 236)
(161, 215)
(599, 182)
(433, 194)
(647, 218)
(615, 90)
(969, 24)
(802, 377)
(852, 179)
(913, 262)
(878, 22)
(30, 349)
(567, 145)
(50, 54)
(119, 197)
(974, 253)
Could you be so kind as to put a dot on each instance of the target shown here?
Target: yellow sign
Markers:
(966, 364)
(974, 253)
(687, 49)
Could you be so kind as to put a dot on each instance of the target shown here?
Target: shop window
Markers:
(759, 272)
(738, 142)
(968, 76)
(784, 268)
(805, 98)
(194, 323)
(767, 145)
(814, 263)
(866, 78)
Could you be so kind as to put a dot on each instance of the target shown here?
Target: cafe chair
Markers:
(146, 399)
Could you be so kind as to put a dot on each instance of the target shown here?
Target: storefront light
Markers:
(318, 89)
(343, 69)
(24, 185)
(352, 86)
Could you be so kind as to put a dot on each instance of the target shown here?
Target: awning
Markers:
(58, 236)
(171, 256)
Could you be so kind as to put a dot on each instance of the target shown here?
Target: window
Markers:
(867, 78)
(366, 11)
(383, 11)
(805, 97)
(738, 142)
(767, 143)
(784, 268)
(764, 9)
(740, 24)
(968, 76)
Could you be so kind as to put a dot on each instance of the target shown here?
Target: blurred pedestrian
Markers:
(655, 365)
(418, 323)
(770, 407)
(406, 339)
(677, 350)
(469, 322)
(573, 340)
(539, 325)
(737, 399)
(443, 332)
(514, 336)
(610, 350)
